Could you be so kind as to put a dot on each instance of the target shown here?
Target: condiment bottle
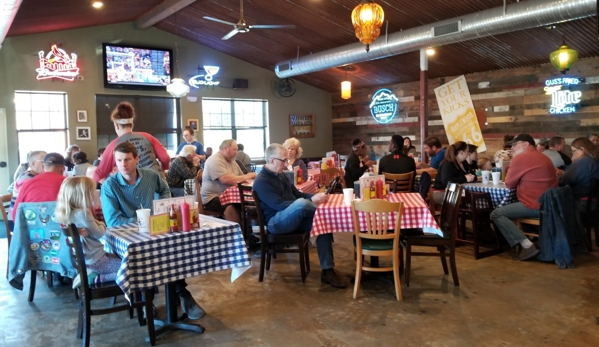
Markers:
(372, 190)
(185, 216)
(379, 189)
(299, 175)
(172, 216)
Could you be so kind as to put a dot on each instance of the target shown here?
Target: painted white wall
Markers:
(19, 59)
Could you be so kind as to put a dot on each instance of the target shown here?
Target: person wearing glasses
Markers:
(357, 162)
(584, 168)
(220, 172)
(287, 210)
(531, 173)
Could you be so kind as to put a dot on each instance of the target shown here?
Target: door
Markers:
(4, 173)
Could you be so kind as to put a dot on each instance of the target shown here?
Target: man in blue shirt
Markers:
(435, 151)
(287, 210)
(123, 193)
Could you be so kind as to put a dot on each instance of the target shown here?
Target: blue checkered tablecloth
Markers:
(149, 261)
(500, 194)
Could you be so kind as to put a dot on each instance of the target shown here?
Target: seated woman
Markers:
(81, 164)
(452, 170)
(184, 167)
(408, 148)
(470, 164)
(294, 152)
(584, 168)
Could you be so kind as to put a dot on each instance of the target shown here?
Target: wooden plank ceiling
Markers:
(321, 25)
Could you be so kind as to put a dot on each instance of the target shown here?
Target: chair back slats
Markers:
(400, 183)
(327, 175)
(378, 217)
(450, 210)
(248, 206)
(73, 241)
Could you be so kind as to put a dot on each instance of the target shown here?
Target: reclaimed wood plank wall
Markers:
(514, 102)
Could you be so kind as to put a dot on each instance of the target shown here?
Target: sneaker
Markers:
(191, 307)
(527, 253)
(329, 276)
(77, 282)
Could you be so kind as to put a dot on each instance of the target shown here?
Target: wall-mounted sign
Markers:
(563, 101)
(383, 106)
(57, 64)
(205, 79)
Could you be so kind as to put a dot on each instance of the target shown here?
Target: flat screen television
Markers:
(136, 67)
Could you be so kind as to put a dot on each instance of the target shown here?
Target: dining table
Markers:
(153, 260)
(335, 216)
(500, 194)
(231, 194)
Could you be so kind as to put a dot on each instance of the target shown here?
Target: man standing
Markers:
(45, 186)
(531, 173)
(435, 151)
(357, 162)
(220, 172)
(243, 158)
(397, 162)
(287, 210)
(132, 187)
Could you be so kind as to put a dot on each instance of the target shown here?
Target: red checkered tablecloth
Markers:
(335, 216)
(231, 195)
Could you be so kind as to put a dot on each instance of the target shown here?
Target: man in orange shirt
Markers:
(531, 173)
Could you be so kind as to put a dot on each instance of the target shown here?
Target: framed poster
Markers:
(301, 126)
(193, 123)
(84, 133)
(81, 116)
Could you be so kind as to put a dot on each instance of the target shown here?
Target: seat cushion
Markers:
(376, 245)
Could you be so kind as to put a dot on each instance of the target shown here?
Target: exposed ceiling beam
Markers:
(8, 11)
(158, 13)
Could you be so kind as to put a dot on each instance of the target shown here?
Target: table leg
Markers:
(172, 321)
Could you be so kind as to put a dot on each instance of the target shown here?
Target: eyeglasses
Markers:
(516, 143)
(284, 161)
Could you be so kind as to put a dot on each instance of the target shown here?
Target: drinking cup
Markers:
(348, 195)
(143, 220)
(485, 175)
(496, 177)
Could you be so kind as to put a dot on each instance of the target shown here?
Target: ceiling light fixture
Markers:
(346, 86)
(563, 58)
(430, 51)
(367, 19)
(177, 88)
(97, 4)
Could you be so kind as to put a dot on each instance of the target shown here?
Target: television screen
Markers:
(135, 67)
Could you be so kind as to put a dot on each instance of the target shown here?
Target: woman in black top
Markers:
(452, 169)
(470, 164)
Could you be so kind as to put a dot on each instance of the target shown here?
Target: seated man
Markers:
(555, 145)
(287, 210)
(531, 173)
(123, 193)
(357, 162)
(397, 162)
(220, 172)
(435, 151)
(185, 166)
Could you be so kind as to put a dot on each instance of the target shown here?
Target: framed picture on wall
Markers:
(193, 123)
(84, 133)
(81, 116)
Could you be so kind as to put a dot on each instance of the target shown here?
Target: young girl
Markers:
(74, 205)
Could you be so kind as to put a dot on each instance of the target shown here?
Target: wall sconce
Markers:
(346, 86)
(563, 58)
(367, 19)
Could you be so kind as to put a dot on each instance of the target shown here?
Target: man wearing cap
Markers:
(531, 173)
(357, 162)
(45, 186)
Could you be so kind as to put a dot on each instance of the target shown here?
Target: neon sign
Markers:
(563, 101)
(205, 79)
(57, 64)
(383, 106)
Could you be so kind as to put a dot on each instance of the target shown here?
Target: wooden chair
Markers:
(448, 225)
(198, 196)
(248, 211)
(477, 207)
(88, 293)
(400, 183)
(529, 221)
(270, 241)
(377, 240)
(6, 199)
(327, 175)
(590, 217)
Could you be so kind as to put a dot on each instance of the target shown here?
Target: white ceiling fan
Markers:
(242, 27)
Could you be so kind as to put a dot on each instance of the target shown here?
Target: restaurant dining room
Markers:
(299, 173)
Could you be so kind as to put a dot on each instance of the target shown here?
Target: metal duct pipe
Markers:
(8, 11)
(518, 16)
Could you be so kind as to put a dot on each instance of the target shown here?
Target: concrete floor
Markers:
(500, 302)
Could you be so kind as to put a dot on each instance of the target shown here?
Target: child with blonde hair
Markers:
(74, 206)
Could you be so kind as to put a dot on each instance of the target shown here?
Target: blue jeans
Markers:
(502, 216)
(297, 218)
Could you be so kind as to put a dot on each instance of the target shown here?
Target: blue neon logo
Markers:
(383, 107)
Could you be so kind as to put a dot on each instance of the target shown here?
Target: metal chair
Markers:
(88, 293)
(248, 211)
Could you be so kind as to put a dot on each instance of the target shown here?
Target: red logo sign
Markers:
(57, 64)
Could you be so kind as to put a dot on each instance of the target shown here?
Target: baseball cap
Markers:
(54, 158)
(520, 138)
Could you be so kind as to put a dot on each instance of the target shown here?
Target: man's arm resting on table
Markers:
(231, 180)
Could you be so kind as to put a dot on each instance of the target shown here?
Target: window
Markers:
(41, 119)
(242, 120)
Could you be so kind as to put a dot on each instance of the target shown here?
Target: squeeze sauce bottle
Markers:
(172, 216)
(379, 189)
(185, 217)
